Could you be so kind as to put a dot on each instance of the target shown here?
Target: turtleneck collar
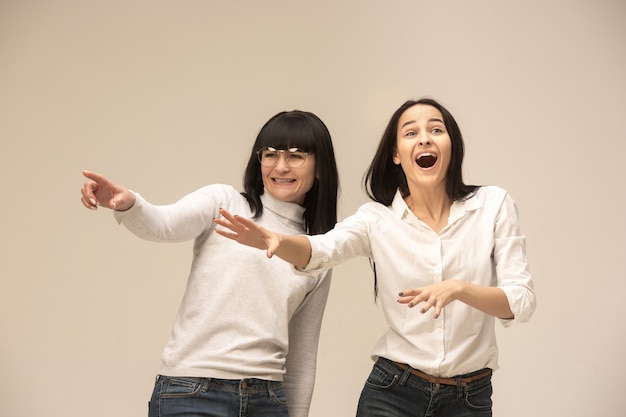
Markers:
(291, 211)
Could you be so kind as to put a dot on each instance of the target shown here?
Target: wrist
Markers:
(126, 203)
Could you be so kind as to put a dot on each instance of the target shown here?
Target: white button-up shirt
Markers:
(482, 244)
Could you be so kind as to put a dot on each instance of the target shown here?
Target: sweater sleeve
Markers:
(181, 221)
(304, 332)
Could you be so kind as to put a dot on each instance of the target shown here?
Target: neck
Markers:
(432, 206)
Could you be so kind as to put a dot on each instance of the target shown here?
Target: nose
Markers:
(424, 140)
(281, 164)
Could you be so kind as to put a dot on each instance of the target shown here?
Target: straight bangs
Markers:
(289, 132)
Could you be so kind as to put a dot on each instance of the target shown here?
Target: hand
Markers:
(248, 233)
(100, 191)
(435, 296)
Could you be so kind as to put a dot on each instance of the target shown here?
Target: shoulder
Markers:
(218, 189)
(369, 215)
(491, 193)
(497, 199)
(218, 192)
(220, 195)
(373, 208)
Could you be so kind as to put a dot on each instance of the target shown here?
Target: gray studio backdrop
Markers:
(167, 96)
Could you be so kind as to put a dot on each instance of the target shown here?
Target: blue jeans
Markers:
(211, 397)
(391, 391)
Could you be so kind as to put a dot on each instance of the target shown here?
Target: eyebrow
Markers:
(432, 119)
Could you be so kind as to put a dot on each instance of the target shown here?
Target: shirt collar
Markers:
(291, 211)
(458, 209)
(398, 205)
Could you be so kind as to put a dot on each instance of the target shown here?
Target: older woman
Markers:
(231, 351)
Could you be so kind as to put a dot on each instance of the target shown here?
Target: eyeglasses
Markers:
(269, 156)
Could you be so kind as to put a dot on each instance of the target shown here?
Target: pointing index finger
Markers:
(94, 176)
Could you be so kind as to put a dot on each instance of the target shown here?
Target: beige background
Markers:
(166, 96)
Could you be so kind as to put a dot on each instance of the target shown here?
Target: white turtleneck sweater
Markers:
(243, 315)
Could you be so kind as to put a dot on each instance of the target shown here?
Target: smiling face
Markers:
(423, 147)
(286, 183)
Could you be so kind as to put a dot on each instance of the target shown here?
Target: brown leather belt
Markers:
(445, 381)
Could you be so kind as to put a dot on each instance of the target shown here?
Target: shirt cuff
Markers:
(317, 262)
(521, 302)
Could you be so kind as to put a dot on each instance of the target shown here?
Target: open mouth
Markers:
(283, 181)
(426, 160)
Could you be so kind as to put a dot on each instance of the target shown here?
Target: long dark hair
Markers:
(304, 130)
(383, 177)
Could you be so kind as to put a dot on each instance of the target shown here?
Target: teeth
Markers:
(425, 154)
(283, 181)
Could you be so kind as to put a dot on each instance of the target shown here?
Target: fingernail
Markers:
(113, 205)
(400, 294)
(92, 201)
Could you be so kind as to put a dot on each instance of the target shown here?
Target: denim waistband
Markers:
(250, 385)
(458, 380)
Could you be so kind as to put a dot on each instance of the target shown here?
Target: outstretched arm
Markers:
(101, 191)
(293, 249)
